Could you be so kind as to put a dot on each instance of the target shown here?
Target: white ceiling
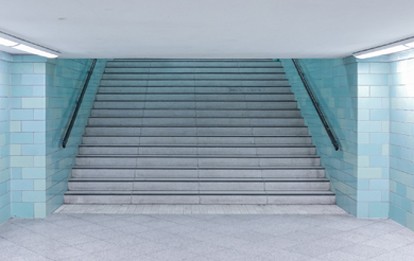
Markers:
(209, 28)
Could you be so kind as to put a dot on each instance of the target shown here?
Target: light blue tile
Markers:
(383, 68)
(379, 184)
(18, 185)
(15, 196)
(39, 138)
(34, 196)
(21, 114)
(22, 210)
(35, 149)
(33, 173)
(40, 210)
(378, 209)
(379, 91)
(373, 79)
(16, 173)
(34, 103)
(39, 114)
(33, 79)
(33, 126)
(369, 196)
(21, 138)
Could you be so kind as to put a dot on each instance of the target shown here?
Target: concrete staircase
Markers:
(196, 132)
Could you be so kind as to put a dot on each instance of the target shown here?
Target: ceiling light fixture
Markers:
(18, 43)
(394, 47)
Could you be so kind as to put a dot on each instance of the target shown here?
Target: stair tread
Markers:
(198, 156)
(280, 167)
(205, 192)
(201, 179)
(201, 145)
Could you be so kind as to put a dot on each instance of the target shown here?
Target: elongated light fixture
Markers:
(18, 43)
(390, 48)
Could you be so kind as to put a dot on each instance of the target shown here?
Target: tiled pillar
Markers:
(402, 138)
(40, 100)
(373, 139)
(5, 61)
(27, 136)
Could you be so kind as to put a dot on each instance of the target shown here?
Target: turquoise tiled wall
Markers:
(401, 147)
(370, 105)
(336, 82)
(36, 103)
(5, 61)
(64, 79)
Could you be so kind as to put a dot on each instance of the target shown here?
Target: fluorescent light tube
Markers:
(381, 51)
(32, 50)
(7, 43)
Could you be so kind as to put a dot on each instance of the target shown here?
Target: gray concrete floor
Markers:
(284, 235)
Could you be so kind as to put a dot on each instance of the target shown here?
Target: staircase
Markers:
(196, 132)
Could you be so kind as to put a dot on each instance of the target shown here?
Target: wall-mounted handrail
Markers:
(331, 134)
(78, 104)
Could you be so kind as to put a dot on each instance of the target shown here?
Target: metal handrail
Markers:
(329, 130)
(78, 104)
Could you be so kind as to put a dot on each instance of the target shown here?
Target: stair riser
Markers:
(194, 76)
(195, 105)
(196, 186)
(207, 83)
(207, 200)
(193, 151)
(195, 173)
(194, 97)
(194, 113)
(196, 64)
(195, 122)
(194, 131)
(195, 140)
(196, 162)
(196, 90)
(194, 70)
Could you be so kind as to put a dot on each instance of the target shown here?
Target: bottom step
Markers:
(206, 198)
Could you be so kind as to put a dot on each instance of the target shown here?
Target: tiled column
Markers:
(27, 136)
(42, 97)
(373, 139)
(402, 138)
(5, 61)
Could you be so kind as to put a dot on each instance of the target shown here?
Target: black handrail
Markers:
(78, 104)
(331, 134)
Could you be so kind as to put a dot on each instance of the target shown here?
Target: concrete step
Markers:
(205, 197)
(195, 83)
(195, 90)
(295, 113)
(195, 121)
(199, 172)
(196, 150)
(153, 139)
(122, 70)
(193, 76)
(198, 160)
(195, 105)
(194, 97)
(198, 184)
(196, 131)
(193, 64)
